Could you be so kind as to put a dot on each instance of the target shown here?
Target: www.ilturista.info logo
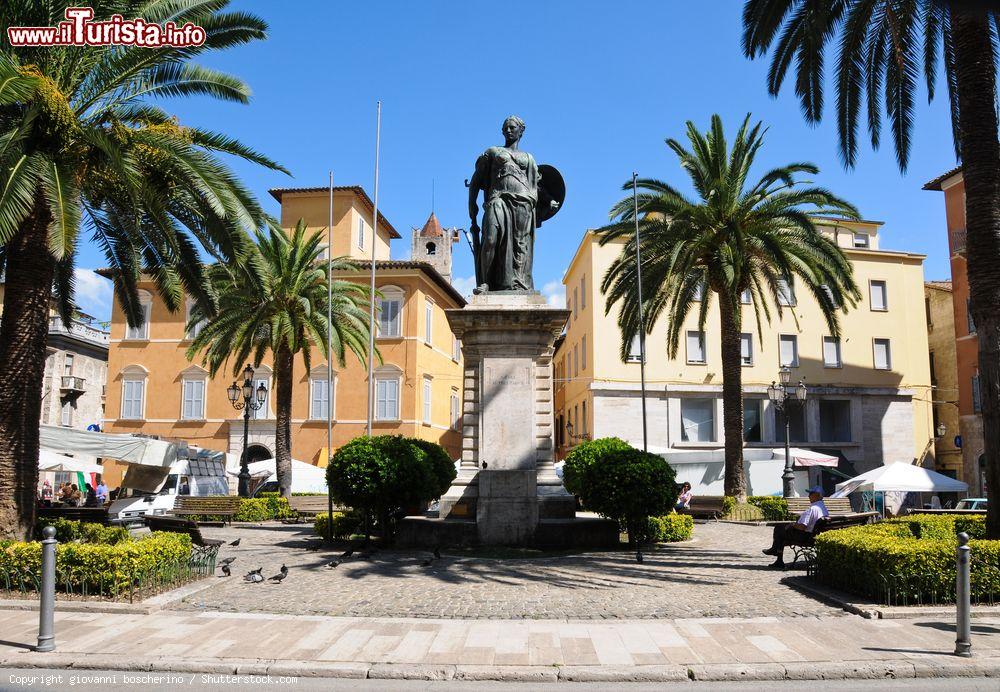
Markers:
(79, 29)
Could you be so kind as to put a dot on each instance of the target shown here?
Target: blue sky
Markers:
(599, 84)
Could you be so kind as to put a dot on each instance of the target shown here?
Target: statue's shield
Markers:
(552, 188)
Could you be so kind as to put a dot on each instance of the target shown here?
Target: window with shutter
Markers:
(696, 347)
(883, 357)
(831, 352)
(746, 349)
(427, 401)
(879, 299)
(788, 350)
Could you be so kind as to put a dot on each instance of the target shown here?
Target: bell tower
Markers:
(432, 244)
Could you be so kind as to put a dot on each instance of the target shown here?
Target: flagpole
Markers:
(329, 361)
(371, 295)
(642, 324)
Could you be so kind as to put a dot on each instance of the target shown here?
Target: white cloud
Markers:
(555, 294)
(93, 294)
(464, 284)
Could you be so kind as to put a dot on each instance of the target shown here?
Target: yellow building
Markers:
(154, 390)
(869, 391)
(944, 376)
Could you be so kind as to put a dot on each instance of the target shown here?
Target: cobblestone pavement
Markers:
(720, 574)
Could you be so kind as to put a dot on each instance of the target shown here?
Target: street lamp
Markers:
(246, 399)
(781, 394)
(941, 430)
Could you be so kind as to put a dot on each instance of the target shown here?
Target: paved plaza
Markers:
(721, 573)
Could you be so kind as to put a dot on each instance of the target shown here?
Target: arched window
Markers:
(431, 249)
(390, 311)
(194, 384)
(141, 331)
(134, 392)
(388, 385)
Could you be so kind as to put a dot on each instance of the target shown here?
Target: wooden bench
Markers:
(89, 515)
(704, 507)
(834, 505)
(203, 547)
(224, 506)
(308, 505)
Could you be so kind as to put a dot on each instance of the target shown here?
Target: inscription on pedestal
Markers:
(507, 441)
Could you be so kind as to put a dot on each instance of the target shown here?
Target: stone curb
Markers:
(939, 667)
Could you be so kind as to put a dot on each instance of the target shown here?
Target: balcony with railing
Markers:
(80, 329)
(956, 241)
(71, 384)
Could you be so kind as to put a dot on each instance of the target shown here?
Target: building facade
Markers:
(869, 390)
(966, 340)
(76, 372)
(153, 389)
(944, 377)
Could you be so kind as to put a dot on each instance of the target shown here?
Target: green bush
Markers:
(907, 560)
(585, 455)
(441, 464)
(772, 508)
(344, 524)
(669, 528)
(105, 568)
(628, 485)
(382, 476)
(728, 505)
(70, 531)
(264, 507)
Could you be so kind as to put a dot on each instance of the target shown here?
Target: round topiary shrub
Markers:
(380, 476)
(628, 485)
(441, 464)
(583, 456)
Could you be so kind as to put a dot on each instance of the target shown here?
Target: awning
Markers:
(805, 457)
(127, 448)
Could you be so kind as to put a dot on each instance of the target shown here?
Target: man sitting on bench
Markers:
(799, 532)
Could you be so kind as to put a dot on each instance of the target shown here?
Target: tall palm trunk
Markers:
(23, 335)
(283, 366)
(730, 312)
(977, 92)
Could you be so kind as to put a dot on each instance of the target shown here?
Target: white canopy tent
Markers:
(50, 461)
(901, 477)
(306, 478)
(128, 448)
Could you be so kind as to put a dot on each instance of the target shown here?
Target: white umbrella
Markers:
(805, 457)
(50, 461)
(306, 478)
(901, 477)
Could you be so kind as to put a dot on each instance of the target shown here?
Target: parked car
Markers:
(972, 503)
(186, 477)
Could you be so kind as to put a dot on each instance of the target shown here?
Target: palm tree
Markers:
(882, 48)
(734, 238)
(280, 308)
(83, 150)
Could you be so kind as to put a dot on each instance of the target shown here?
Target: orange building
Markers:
(154, 389)
(966, 341)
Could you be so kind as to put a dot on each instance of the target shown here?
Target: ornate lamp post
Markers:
(245, 399)
(574, 438)
(781, 394)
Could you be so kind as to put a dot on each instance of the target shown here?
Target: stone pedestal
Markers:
(507, 482)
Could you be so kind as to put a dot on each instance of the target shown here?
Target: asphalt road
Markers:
(102, 680)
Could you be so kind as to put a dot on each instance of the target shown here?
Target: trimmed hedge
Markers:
(97, 568)
(670, 528)
(907, 560)
(772, 508)
(265, 507)
(69, 531)
(344, 524)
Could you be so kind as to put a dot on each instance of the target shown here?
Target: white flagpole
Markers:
(642, 323)
(329, 359)
(371, 295)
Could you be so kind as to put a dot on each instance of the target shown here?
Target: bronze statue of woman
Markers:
(504, 244)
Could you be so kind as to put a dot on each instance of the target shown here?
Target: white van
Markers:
(194, 477)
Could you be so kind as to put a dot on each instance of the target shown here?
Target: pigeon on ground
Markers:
(638, 556)
(236, 542)
(277, 578)
(333, 564)
(426, 563)
(313, 547)
(437, 552)
(255, 576)
(347, 553)
(226, 571)
(227, 561)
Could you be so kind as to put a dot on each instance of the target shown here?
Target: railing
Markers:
(79, 330)
(73, 383)
(957, 241)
